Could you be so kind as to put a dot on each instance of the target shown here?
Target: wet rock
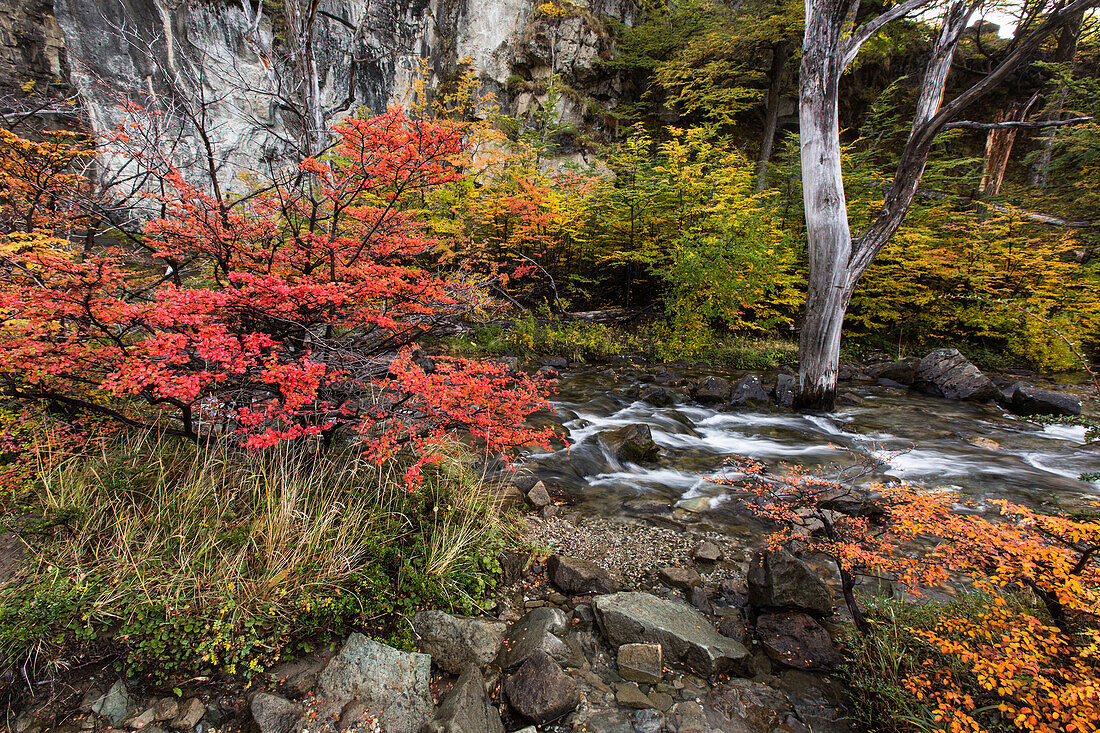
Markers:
(902, 372)
(657, 396)
(731, 623)
(455, 642)
(712, 390)
(749, 391)
(947, 373)
(818, 701)
(733, 592)
(190, 713)
(785, 387)
(686, 637)
(707, 552)
(629, 695)
(780, 580)
(984, 443)
(796, 640)
(647, 721)
(746, 707)
(848, 399)
(114, 705)
(1027, 400)
(641, 663)
(536, 631)
(554, 362)
(632, 443)
(538, 495)
(683, 579)
(467, 709)
(540, 691)
(274, 714)
(697, 597)
(661, 700)
(579, 577)
(688, 717)
(391, 684)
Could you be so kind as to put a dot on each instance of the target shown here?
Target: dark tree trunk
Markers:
(781, 51)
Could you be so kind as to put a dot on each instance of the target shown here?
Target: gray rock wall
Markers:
(183, 56)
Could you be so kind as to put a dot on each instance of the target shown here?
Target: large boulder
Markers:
(1028, 400)
(579, 577)
(711, 390)
(633, 443)
(274, 714)
(749, 391)
(778, 579)
(947, 373)
(686, 637)
(466, 709)
(903, 371)
(796, 640)
(540, 691)
(391, 685)
(537, 631)
(454, 642)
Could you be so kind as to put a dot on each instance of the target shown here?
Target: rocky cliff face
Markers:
(194, 58)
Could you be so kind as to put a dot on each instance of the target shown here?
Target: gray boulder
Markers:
(633, 443)
(391, 684)
(686, 637)
(455, 642)
(902, 372)
(540, 691)
(579, 577)
(796, 640)
(537, 631)
(538, 495)
(748, 391)
(947, 373)
(274, 714)
(780, 580)
(467, 709)
(1028, 400)
(712, 390)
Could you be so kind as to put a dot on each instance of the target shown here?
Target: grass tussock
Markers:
(188, 560)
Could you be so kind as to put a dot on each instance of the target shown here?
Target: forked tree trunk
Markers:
(828, 236)
(781, 51)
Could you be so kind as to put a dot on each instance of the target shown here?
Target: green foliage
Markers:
(189, 560)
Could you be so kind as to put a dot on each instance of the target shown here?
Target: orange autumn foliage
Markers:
(1030, 660)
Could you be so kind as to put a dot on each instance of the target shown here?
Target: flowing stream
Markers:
(979, 450)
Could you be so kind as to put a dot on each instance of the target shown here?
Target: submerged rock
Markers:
(540, 691)
(686, 637)
(947, 373)
(454, 642)
(633, 443)
(780, 580)
(747, 707)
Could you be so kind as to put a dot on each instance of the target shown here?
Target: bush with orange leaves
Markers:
(1026, 658)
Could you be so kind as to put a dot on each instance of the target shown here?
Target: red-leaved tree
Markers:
(289, 310)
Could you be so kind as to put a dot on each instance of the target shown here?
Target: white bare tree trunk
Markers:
(836, 261)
